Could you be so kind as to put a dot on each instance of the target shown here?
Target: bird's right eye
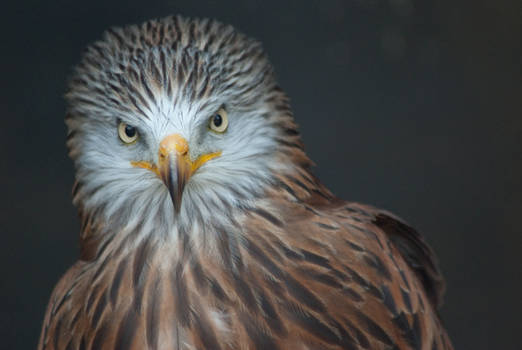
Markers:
(128, 133)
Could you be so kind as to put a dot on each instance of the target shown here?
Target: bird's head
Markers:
(176, 118)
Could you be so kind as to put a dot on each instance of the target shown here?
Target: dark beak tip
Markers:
(175, 173)
(176, 198)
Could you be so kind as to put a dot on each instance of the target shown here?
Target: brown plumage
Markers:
(292, 267)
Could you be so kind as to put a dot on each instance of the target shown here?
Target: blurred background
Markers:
(412, 106)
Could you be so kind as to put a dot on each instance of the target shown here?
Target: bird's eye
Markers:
(219, 121)
(128, 133)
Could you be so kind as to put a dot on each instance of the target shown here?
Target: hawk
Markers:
(202, 225)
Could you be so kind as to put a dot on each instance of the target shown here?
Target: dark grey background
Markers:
(413, 106)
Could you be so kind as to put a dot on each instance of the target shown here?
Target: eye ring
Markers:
(128, 134)
(218, 122)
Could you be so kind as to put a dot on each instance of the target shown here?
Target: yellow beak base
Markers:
(175, 167)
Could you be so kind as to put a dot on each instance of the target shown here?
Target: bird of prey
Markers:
(202, 225)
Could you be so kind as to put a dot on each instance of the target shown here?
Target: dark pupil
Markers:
(130, 131)
(217, 120)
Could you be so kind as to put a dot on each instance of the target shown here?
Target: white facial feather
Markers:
(174, 89)
(237, 176)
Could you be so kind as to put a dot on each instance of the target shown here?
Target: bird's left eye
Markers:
(219, 121)
(128, 133)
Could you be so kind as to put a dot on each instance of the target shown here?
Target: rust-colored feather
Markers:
(305, 273)
(293, 267)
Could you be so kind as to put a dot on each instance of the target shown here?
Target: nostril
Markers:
(181, 148)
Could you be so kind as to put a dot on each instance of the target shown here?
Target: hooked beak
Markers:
(175, 166)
